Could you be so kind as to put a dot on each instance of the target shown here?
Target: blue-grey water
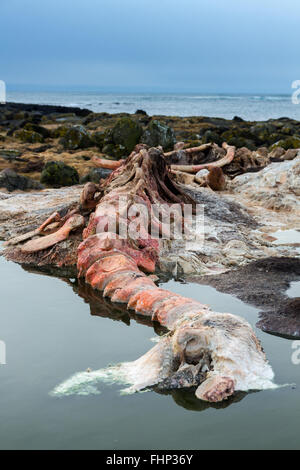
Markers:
(50, 334)
(249, 107)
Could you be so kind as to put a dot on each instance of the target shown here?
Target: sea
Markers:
(254, 107)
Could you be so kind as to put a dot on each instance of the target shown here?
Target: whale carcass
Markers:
(217, 353)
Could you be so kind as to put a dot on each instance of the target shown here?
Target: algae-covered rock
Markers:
(239, 138)
(159, 134)
(126, 133)
(76, 137)
(292, 142)
(119, 141)
(57, 174)
(116, 152)
(39, 129)
(189, 144)
(10, 154)
(28, 136)
(10, 180)
(98, 138)
(262, 132)
(211, 136)
(60, 131)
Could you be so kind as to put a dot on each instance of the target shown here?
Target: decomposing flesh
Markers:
(218, 353)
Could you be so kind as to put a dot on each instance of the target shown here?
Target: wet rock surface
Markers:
(263, 283)
(218, 207)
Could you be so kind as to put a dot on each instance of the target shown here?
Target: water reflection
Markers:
(101, 307)
(188, 400)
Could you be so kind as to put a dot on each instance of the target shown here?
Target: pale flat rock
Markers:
(276, 187)
(23, 212)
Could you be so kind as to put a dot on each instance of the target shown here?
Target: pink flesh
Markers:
(123, 295)
(120, 280)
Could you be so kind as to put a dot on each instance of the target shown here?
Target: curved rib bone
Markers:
(108, 164)
(74, 222)
(55, 217)
(218, 164)
(190, 150)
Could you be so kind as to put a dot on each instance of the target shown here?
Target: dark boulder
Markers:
(141, 111)
(158, 134)
(10, 180)
(45, 109)
(238, 119)
(30, 137)
(211, 136)
(98, 138)
(126, 133)
(10, 154)
(76, 137)
(57, 174)
(39, 129)
(119, 141)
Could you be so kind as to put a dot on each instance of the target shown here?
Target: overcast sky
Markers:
(151, 45)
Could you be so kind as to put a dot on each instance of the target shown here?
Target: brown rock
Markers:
(290, 154)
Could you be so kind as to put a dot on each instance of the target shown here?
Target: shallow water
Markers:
(289, 238)
(50, 335)
(294, 290)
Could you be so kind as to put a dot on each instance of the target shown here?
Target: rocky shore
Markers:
(34, 138)
(48, 152)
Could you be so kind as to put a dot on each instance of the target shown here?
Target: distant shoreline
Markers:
(83, 112)
(251, 107)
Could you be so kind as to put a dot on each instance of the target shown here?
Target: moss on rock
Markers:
(39, 129)
(159, 134)
(76, 137)
(292, 142)
(57, 174)
(211, 136)
(28, 136)
(126, 133)
(98, 138)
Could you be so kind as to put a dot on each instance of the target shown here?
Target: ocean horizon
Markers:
(251, 107)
